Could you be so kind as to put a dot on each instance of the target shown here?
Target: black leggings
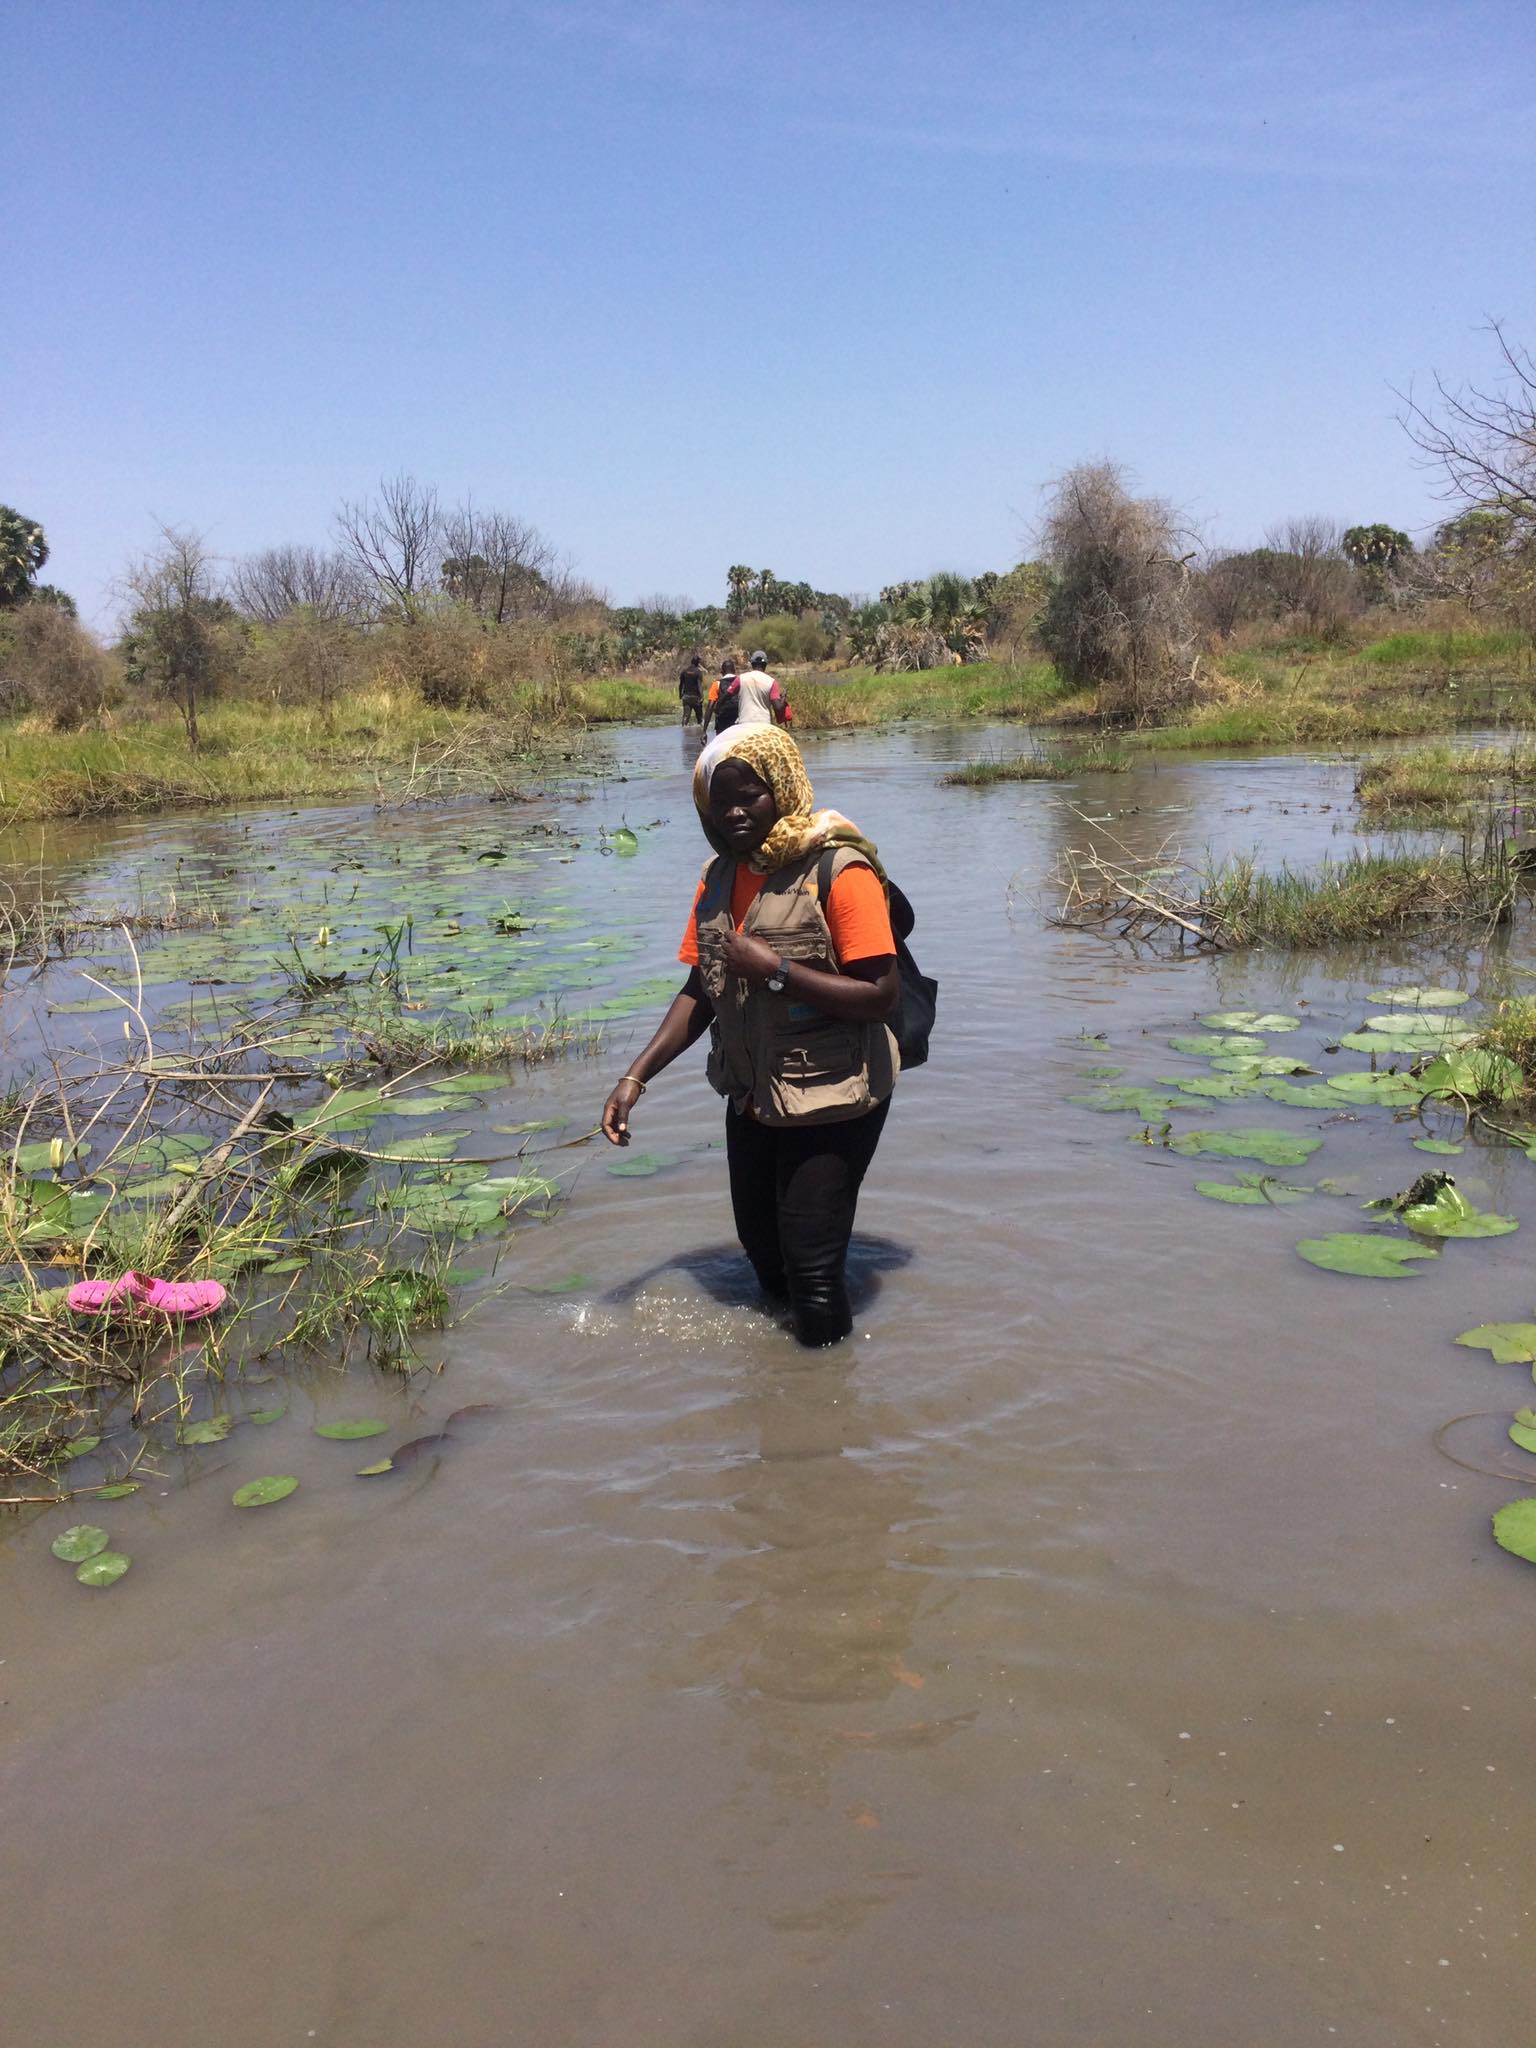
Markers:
(793, 1192)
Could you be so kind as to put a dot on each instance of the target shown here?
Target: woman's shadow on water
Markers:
(723, 1273)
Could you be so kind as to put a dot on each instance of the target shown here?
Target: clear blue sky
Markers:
(828, 288)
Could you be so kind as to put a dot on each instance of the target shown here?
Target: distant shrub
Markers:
(53, 668)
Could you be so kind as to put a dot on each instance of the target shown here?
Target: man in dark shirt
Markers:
(690, 689)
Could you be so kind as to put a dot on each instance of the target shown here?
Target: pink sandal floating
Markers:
(188, 1301)
(183, 1301)
(106, 1297)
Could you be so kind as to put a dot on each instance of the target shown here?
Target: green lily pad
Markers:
(1217, 1087)
(434, 1146)
(1146, 1103)
(1384, 1045)
(1414, 1025)
(1396, 1089)
(558, 1123)
(1251, 1020)
(266, 1414)
(640, 1165)
(347, 1432)
(1270, 1148)
(373, 1471)
(44, 1155)
(1210, 1046)
(212, 1430)
(1420, 998)
(104, 1569)
(624, 843)
(77, 1544)
(1255, 1190)
(1450, 1214)
(260, 1493)
(1514, 1529)
(1523, 1433)
(1510, 1343)
(80, 1446)
(119, 1489)
(1438, 1145)
(1313, 1097)
(1359, 1252)
(1273, 1063)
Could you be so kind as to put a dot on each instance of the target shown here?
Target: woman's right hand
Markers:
(621, 1100)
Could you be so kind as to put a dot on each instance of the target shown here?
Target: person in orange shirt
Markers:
(796, 994)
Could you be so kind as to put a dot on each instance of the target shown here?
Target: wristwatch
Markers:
(776, 980)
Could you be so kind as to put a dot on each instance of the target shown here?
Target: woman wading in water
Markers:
(795, 995)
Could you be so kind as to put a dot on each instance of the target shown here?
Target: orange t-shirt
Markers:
(857, 916)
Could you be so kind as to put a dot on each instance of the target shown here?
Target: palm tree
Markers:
(738, 581)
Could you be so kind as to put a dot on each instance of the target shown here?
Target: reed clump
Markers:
(1230, 904)
(1429, 781)
(1049, 764)
(1511, 1030)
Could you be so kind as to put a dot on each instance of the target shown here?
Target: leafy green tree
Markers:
(23, 551)
(1376, 547)
(180, 639)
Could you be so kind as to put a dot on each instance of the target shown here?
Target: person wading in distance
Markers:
(690, 689)
(712, 708)
(795, 994)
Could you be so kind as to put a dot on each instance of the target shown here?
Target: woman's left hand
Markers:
(753, 959)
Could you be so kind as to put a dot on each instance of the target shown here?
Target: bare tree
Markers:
(276, 581)
(395, 540)
(173, 640)
(496, 564)
(1309, 572)
(1483, 442)
(1119, 616)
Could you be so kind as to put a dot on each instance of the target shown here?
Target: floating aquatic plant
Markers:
(1365, 1255)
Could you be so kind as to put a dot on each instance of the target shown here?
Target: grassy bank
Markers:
(375, 741)
(1403, 685)
(1429, 781)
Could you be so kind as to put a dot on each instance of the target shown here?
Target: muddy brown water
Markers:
(1096, 1650)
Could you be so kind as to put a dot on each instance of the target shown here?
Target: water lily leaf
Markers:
(1389, 1088)
(558, 1123)
(639, 1165)
(1358, 1252)
(1146, 1103)
(1472, 1077)
(1270, 1148)
(266, 1414)
(1450, 1214)
(435, 1145)
(1251, 1020)
(119, 1489)
(346, 1432)
(624, 843)
(260, 1493)
(1523, 1433)
(1210, 1046)
(1438, 1145)
(1414, 1025)
(1255, 1190)
(1510, 1343)
(1216, 1087)
(1298, 1098)
(1420, 998)
(211, 1430)
(1384, 1046)
(293, 1265)
(1514, 1529)
(1274, 1063)
(80, 1446)
(45, 1155)
(77, 1544)
(373, 1471)
(104, 1569)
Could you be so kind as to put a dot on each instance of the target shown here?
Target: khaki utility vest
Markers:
(791, 1062)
